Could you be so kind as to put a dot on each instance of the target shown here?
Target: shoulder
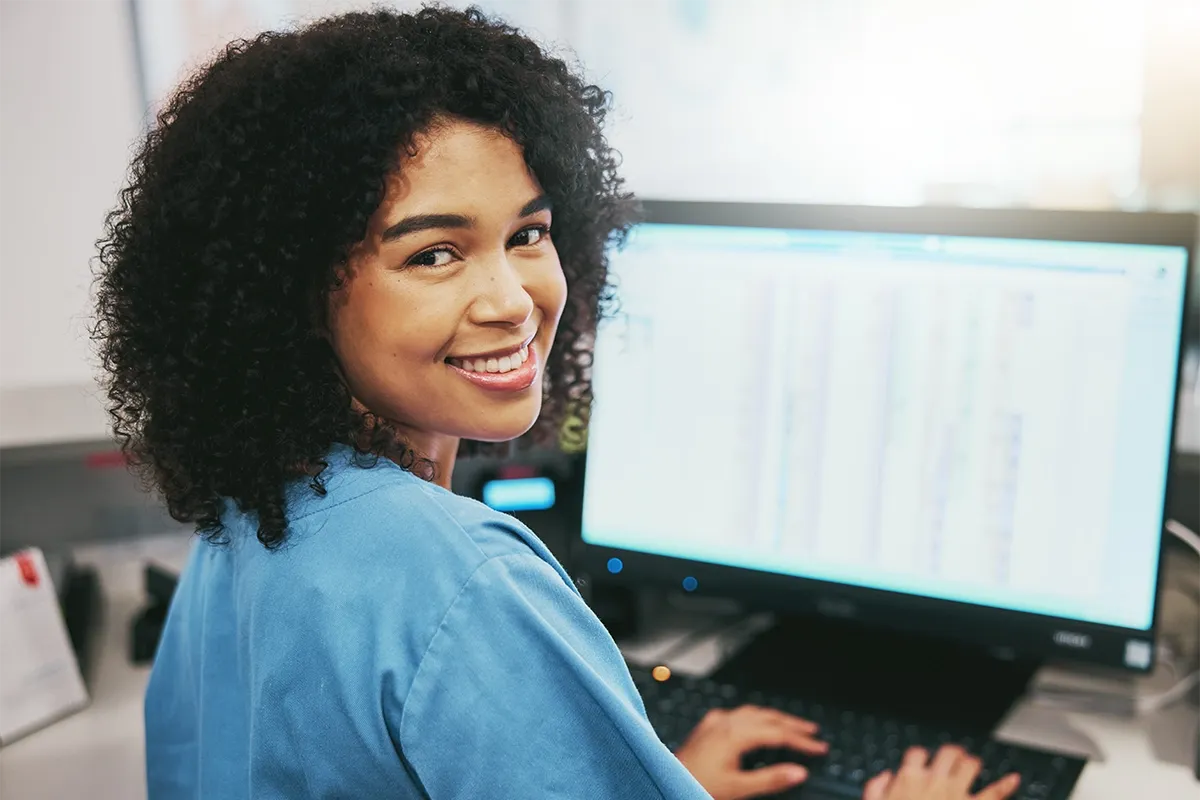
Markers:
(380, 510)
(378, 533)
(367, 572)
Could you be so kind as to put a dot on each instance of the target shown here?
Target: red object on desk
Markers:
(28, 569)
(105, 460)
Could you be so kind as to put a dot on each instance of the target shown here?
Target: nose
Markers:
(502, 294)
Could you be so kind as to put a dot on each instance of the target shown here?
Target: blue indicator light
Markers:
(615, 565)
(519, 494)
(690, 584)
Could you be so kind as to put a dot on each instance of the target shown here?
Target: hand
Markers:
(948, 777)
(713, 751)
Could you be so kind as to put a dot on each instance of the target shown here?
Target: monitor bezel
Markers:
(1010, 633)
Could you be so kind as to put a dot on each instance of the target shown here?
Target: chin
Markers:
(502, 427)
(498, 437)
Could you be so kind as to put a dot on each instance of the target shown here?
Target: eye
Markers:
(436, 257)
(527, 237)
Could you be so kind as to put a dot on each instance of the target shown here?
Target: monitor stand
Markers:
(907, 676)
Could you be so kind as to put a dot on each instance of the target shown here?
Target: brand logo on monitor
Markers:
(1078, 641)
(835, 607)
(1138, 654)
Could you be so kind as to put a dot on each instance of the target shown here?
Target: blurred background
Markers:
(1030, 103)
(1075, 104)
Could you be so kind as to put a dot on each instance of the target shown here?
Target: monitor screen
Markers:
(980, 420)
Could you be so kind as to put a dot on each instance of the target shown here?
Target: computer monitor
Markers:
(951, 421)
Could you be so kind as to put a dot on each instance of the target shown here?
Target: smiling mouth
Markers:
(500, 365)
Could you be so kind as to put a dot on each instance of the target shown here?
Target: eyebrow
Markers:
(425, 222)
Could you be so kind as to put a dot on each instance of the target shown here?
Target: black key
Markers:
(820, 787)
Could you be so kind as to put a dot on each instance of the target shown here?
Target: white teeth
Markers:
(504, 364)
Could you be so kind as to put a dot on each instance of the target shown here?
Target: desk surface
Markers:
(97, 753)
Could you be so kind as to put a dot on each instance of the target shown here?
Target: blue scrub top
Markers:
(403, 642)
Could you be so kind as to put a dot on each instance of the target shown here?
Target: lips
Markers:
(521, 370)
(496, 365)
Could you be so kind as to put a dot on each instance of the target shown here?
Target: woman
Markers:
(346, 253)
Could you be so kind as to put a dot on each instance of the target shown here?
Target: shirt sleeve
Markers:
(522, 693)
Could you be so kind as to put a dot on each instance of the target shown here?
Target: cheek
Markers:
(378, 323)
(551, 291)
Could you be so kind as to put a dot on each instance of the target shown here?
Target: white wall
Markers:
(70, 109)
(1171, 108)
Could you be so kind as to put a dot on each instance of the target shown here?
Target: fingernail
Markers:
(796, 773)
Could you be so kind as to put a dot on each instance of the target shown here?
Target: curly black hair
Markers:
(244, 202)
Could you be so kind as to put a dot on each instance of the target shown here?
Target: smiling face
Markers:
(449, 306)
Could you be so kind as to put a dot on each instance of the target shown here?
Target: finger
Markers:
(761, 732)
(917, 758)
(767, 780)
(797, 723)
(1001, 789)
(966, 771)
(946, 760)
(712, 716)
(876, 788)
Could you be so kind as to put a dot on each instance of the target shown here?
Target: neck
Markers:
(441, 451)
(439, 448)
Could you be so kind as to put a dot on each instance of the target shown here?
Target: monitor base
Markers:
(902, 675)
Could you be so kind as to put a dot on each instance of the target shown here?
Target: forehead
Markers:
(460, 167)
